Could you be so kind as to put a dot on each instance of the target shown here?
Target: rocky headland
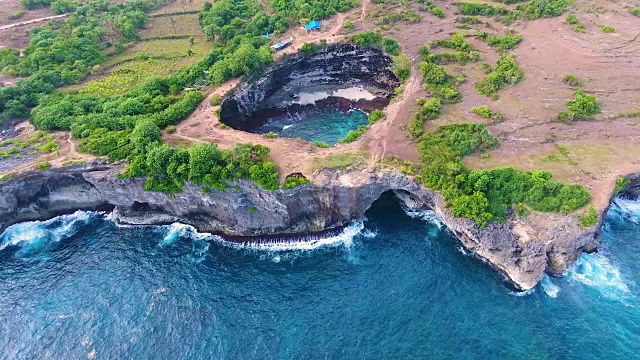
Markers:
(523, 249)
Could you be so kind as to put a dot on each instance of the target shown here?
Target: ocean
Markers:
(394, 285)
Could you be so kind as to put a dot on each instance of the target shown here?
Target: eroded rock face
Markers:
(325, 71)
(523, 249)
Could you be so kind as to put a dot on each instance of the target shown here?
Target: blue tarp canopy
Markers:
(313, 25)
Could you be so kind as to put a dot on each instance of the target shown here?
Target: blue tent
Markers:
(313, 25)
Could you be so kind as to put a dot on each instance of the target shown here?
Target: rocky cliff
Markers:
(522, 249)
(334, 67)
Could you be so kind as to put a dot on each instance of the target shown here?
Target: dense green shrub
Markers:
(481, 9)
(16, 15)
(572, 80)
(429, 110)
(621, 184)
(487, 195)
(536, 9)
(353, 135)
(483, 111)
(375, 115)
(294, 180)
(583, 105)
(320, 144)
(635, 11)
(376, 40)
(506, 73)
(401, 67)
(501, 43)
(305, 10)
(437, 12)
(34, 4)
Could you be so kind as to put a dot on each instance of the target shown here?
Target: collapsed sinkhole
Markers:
(315, 97)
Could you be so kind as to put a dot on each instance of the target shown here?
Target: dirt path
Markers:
(6, 27)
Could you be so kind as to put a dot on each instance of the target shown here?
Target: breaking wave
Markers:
(551, 289)
(36, 234)
(595, 270)
(625, 208)
(309, 242)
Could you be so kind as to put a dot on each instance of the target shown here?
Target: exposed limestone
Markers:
(336, 67)
(522, 248)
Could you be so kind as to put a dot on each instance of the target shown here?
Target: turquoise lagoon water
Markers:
(328, 126)
(393, 286)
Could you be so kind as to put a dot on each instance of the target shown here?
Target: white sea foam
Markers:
(38, 232)
(626, 208)
(522, 293)
(597, 271)
(427, 215)
(551, 289)
(286, 127)
(310, 242)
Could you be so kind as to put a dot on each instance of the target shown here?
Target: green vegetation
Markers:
(215, 100)
(429, 110)
(270, 135)
(35, 4)
(401, 67)
(582, 107)
(483, 111)
(295, 180)
(376, 40)
(437, 12)
(607, 29)
(304, 10)
(572, 19)
(501, 43)
(348, 25)
(481, 9)
(167, 168)
(465, 52)
(572, 80)
(171, 129)
(589, 218)
(16, 15)
(340, 161)
(621, 184)
(375, 115)
(505, 73)
(43, 166)
(487, 195)
(536, 9)
(62, 53)
(353, 135)
(125, 78)
(635, 11)
(320, 144)
(39, 142)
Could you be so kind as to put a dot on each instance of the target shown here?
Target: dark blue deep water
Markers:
(80, 287)
(328, 126)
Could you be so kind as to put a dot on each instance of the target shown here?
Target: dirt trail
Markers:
(6, 27)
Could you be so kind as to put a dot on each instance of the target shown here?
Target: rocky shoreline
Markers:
(336, 67)
(523, 249)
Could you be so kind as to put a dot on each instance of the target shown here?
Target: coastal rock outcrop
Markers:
(523, 249)
(325, 71)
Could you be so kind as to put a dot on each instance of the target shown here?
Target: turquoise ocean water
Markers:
(329, 126)
(395, 285)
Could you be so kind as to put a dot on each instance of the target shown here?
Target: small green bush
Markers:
(16, 15)
(572, 80)
(215, 100)
(270, 135)
(437, 12)
(348, 25)
(589, 218)
(621, 183)
(483, 111)
(572, 19)
(321, 144)
(607, 29)
(401, 67)
(171, 129)
(294, 180)
(353, 135)
(48, 147)
(506, 73)
(375, 115)
(584, 104)
(635, 11)
(43, 166)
